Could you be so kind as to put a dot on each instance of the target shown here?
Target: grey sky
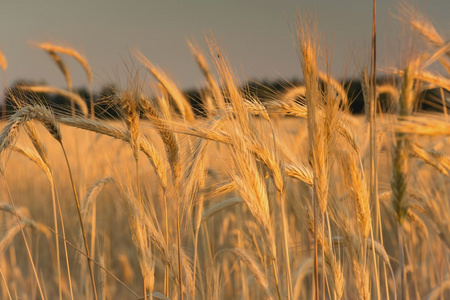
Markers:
(256, 35)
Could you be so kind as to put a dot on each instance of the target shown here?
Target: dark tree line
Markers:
(429, 100)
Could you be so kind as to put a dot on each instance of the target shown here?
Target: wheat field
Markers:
(286, 197)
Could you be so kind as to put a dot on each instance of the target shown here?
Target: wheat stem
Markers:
(91, 271)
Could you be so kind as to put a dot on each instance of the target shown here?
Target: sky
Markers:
(259, 37)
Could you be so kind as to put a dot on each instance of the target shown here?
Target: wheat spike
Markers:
(181, 101)
(49, 47)
(62, 67)
(69, 95)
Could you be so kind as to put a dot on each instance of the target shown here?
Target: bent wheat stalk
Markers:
(49, 47)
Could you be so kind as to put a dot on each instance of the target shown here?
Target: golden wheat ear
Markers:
(73, 97)
(178, 97)
(52, 48)
(213, 84)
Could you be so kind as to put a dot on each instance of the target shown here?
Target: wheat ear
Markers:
(49, 47)
(62, 67)
(46, 117)
(69, 95)
(213, 85)
(181, 101)
(70, 52)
